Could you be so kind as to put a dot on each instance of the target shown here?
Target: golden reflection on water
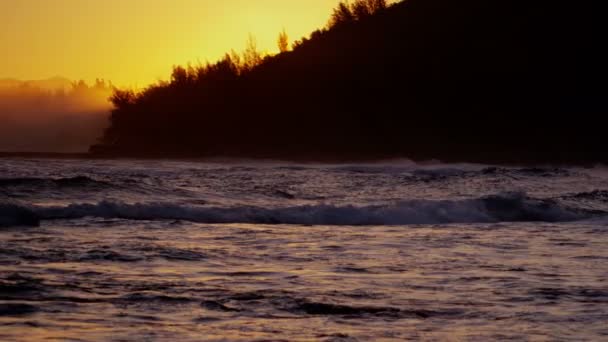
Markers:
(184, 282)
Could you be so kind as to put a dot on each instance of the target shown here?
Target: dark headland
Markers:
(455, 80)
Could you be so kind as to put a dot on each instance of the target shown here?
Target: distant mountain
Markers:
(472, 80)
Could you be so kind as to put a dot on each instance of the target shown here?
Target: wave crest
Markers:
(512, 207)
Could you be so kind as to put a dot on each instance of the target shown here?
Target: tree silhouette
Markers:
(123, 98)
(446, 79)
(342, 14)
(283, 41)
(180, 75)
(251, 56)
(376, 5)
(358, 10)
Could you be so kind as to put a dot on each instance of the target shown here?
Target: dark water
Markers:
(184, 251)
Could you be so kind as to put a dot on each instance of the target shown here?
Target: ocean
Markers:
(154, 250)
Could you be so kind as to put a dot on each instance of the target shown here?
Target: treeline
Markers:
(57, 92)
(55, 115)
(457, 80)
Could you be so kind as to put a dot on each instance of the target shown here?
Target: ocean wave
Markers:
(510, 207)
(542, 172)
(332, 309)
(17, 309)
(424, 174)
(596, 195)
(148, 297)
(68, 182)
(14, 214)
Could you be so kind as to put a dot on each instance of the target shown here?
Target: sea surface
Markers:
(127, 250)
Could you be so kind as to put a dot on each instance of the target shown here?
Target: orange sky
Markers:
(135, 42)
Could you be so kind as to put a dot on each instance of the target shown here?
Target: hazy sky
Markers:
(134, 42)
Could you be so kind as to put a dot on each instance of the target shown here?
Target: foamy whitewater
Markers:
(101, 250)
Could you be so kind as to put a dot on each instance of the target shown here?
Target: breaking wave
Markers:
(12, 214)
(510, 207)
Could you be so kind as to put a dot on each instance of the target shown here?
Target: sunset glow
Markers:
(135, 42)
(302, 170)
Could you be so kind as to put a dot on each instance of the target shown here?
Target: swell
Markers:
(596, 195)
(510, 207)
(443, 171)
(34, 182)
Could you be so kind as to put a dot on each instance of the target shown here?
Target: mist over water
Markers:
(53, 115)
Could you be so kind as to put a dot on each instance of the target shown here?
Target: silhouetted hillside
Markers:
(471, 80)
